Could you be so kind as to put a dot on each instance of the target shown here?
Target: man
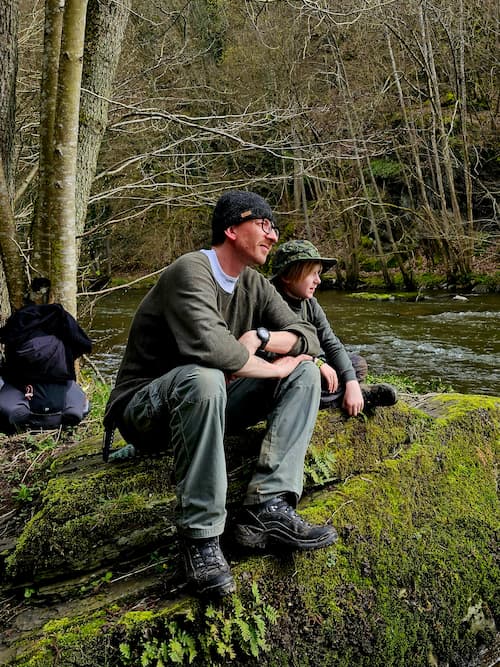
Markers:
(191, 372)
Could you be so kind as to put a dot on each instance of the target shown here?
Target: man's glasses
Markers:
(268, 227)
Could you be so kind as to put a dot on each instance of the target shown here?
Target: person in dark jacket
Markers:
(297, 266)
(41, 344)
(191, 372)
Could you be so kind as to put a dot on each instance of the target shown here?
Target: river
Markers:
(437, 339)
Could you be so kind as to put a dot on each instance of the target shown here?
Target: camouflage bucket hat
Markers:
(298, 251)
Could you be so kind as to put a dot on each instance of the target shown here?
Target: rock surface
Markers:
(92, 576)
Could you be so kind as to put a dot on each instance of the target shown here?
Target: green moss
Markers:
(176, 633)
(342, 446)
(455, 406)
(92, 517)
(64, 638)
(418, 545)
(416, 507)
(372, 296)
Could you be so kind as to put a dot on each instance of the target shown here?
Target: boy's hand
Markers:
(329, 378)
(353, 402)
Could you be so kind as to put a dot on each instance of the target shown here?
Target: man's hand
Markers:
(286, 365)
(329, 377)
(256, 367)
(353, 402)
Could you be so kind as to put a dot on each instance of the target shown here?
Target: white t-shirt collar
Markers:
(228, 283)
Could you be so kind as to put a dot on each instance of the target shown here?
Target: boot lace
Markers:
(283, 506)
(207, 554)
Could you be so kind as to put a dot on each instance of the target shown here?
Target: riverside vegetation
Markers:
(90, 571)
(372, 130)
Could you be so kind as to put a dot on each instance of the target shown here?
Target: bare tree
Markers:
(105, 31)
(41, 256)
(49, 247)
(9, 12)
(9, 249)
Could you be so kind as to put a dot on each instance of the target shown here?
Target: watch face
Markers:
(263, 335)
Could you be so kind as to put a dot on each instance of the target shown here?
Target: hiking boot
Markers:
(378, 395)
(276, 523)
(207, 571)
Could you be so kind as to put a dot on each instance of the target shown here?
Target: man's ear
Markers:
(230, 233)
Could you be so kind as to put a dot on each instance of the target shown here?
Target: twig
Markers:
(117, 287)
(94, 368)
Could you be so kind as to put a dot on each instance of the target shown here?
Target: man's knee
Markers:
(307, 373)
(198, 383)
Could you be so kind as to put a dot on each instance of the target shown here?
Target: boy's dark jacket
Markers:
(41, 345)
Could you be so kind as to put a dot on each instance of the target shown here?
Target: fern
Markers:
(222, 633)
(125, 653)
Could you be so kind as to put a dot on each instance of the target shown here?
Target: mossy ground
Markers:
(412, 493)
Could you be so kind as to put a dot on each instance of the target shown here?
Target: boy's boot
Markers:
(378, 395)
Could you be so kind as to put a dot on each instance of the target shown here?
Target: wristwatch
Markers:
(263, 335)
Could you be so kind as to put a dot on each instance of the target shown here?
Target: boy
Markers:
(297, 266)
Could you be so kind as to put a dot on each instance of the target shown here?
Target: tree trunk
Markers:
(41, 258)
(9, 18)
(352, 227)
(442, 152)
(106, 23)
(9, 14)
(9, 250)
(63, 185)
(462, 96)
(350, 110)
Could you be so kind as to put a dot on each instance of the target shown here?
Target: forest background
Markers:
(371, 126)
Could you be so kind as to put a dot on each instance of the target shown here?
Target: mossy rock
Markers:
(92, 514)
(412, 580)
(394, 296)
(372, 296)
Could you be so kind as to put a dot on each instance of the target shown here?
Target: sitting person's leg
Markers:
(185, 408)
(334, 399)
(360, 366)
(14, 409)
(76, 404)
(268, 517)
(376, 395)
(290, 424)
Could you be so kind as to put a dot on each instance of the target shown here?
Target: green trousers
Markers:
(190, 408)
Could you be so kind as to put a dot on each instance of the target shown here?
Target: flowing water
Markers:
(437, 339)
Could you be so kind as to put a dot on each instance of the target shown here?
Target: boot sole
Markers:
(255, 538)
(214, 590)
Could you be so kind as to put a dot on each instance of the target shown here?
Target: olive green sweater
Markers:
(187, 318)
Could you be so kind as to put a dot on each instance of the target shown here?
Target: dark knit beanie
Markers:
(237, 206)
